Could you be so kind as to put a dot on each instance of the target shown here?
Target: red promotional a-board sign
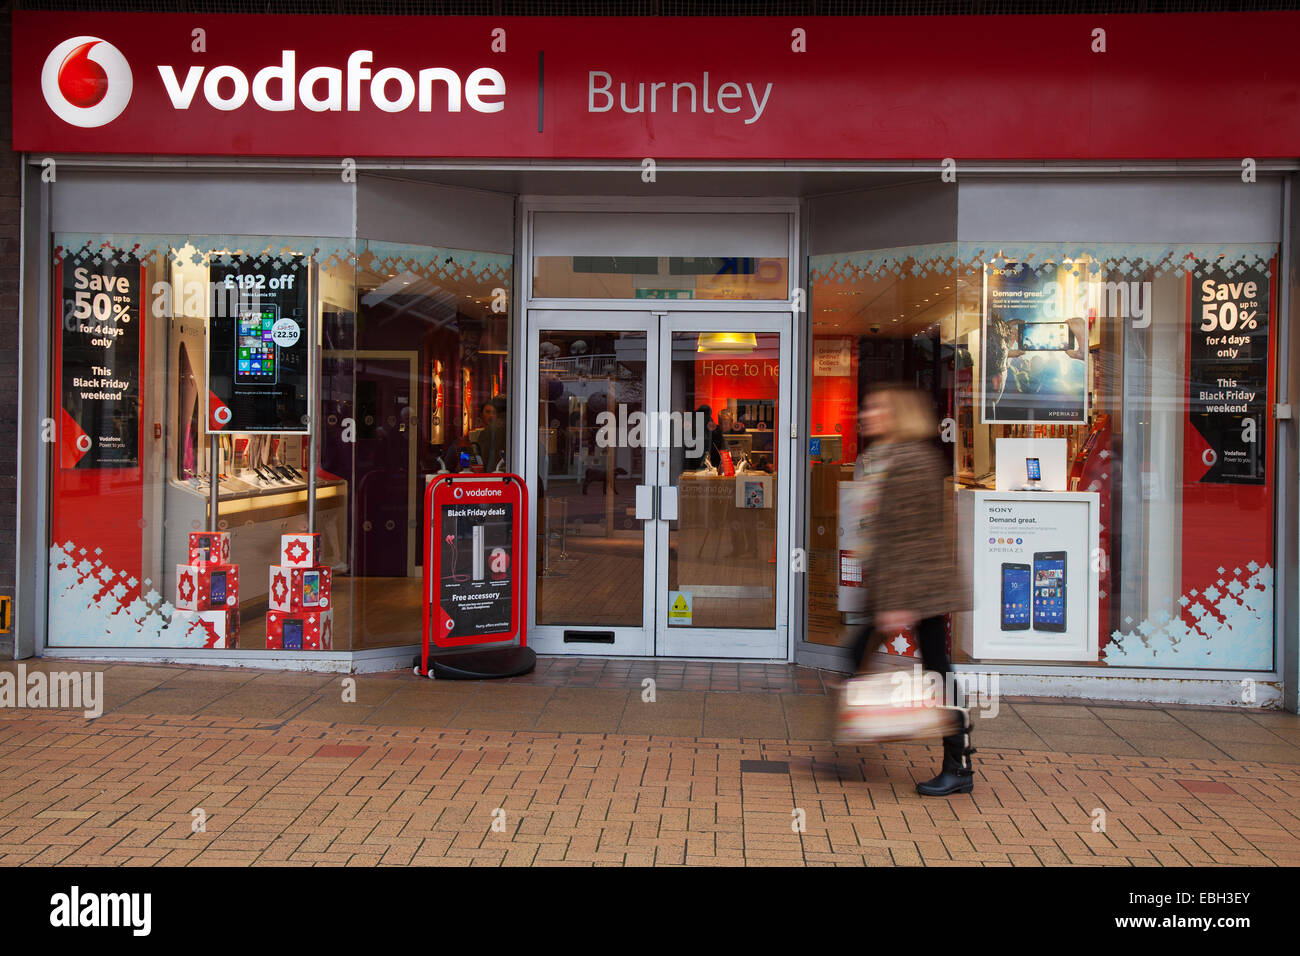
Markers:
(475, 551)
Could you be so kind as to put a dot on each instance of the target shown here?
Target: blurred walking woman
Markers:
(910, 576)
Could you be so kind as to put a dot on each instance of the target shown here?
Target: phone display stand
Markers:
(1015, 471)
(207, 589)
(300, 613)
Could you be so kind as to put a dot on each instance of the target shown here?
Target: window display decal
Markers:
(1228, 624)
(258, 359)
(680, 606)
(1128, 259)
(100, 358)
(438, 264)
(1228, 364)
(1034, 360)
(95, 605)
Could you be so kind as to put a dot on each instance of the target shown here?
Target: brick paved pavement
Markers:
(588, 773)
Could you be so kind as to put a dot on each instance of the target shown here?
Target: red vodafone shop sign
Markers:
(1170, 86)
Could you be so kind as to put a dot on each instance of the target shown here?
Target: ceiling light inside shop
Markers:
(727, 342)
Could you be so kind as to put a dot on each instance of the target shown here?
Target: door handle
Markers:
(667, 503)
(645, 502)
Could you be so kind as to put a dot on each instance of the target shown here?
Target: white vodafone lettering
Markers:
(265, 76)
(181, 95)
(328, 89)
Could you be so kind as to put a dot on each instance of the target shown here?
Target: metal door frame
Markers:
(765, 643)
(654, 638)
(629, 641)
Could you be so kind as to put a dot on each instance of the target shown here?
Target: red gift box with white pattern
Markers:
(289, 591)
(316, 628)
(300, 550)
(222, 627)
(209, 547)
(194, 586)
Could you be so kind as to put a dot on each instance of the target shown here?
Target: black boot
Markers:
(957, 775)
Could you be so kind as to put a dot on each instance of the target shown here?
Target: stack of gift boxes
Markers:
(207, 588)
(300, 616)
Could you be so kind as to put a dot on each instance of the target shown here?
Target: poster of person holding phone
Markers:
(1034, 363)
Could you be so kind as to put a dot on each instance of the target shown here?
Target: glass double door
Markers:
(657, 454)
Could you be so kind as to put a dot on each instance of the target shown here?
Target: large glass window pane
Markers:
(1174, 440)
(722, 547)
(174, 350)
(661, 277)
(591, 547)
(878, 316)
(719, 255)
(419, 371)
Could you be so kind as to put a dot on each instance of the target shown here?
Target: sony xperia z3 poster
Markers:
(475, 587)
(1033, 347)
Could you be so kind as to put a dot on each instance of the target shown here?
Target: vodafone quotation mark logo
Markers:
(86, 81)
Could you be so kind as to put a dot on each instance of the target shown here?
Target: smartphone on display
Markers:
(217, 593)
(1015, 597)
(257, 357)
(478, 555)
(292, 635)
(1049, 590)
(1033, 470)
(311, 589)
(1046, 337)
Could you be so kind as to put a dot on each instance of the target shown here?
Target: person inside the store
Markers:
(728, 424)
(711, 447)
(490, 437)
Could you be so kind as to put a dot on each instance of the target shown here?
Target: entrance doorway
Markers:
(657, 454)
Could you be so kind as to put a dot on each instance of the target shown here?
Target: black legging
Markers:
(931, 633)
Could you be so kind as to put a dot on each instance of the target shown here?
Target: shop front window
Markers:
(1107, 409)
(245, 364)
(414, 383)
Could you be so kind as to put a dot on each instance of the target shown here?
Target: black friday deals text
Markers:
(474, 587)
